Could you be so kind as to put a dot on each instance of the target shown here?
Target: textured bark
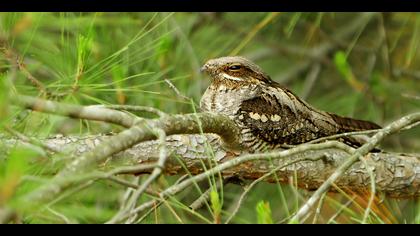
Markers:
(396, 175)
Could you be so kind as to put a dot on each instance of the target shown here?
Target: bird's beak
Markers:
(204, 68)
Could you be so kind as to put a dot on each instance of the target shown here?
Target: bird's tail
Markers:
(349, 124)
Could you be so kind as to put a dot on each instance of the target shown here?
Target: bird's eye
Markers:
(234, 67)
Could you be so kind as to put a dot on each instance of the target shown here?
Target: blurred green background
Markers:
(363, 65)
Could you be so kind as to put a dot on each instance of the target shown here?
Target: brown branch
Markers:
(17, 62)
(140, 130)
(34, 81)
(397, 175)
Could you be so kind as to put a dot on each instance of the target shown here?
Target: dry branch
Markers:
(396, 175)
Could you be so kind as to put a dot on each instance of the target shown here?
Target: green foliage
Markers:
(216, 205)
(340, 60)
(84, 46)
(264, 213)
(123, 58)
(12, 171)
(292, 24)
(4, 100)
(414, 42)
(293, 221)
(343, 67)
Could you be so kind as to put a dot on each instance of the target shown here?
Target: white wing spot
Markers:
(264, 118)
(275, 118)
(254, 116)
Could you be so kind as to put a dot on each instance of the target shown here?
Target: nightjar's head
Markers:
(235, 70)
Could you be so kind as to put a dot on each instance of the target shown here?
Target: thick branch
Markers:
(397, 175)
(140, 130)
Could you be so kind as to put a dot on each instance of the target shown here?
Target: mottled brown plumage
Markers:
(268, 114)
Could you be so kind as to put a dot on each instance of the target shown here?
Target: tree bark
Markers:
(396, 174)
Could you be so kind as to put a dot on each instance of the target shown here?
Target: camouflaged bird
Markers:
(268, 114)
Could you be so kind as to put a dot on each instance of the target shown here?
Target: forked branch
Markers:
(316, 166)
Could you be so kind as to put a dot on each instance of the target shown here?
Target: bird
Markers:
(268, 114)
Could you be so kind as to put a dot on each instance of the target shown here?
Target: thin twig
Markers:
(182, 178)
(89, 179)
(17, 62)
(133, 108)
(342, 208)
(406, 72)
(122, 182)
(411, 126)
(133, 169)
(175, 89)
(411, 96)
(310, 80)
(59, 215)
(40, 86)
(128, 193)
(171, 209)
(204, 198)
(157, 204)
(369, 170)
(319, 208)
(154, 205)
(75, 111)
(336, 136)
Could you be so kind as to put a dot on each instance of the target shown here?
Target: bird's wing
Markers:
(275, 118)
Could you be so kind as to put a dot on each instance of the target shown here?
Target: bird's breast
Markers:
(221, 99)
